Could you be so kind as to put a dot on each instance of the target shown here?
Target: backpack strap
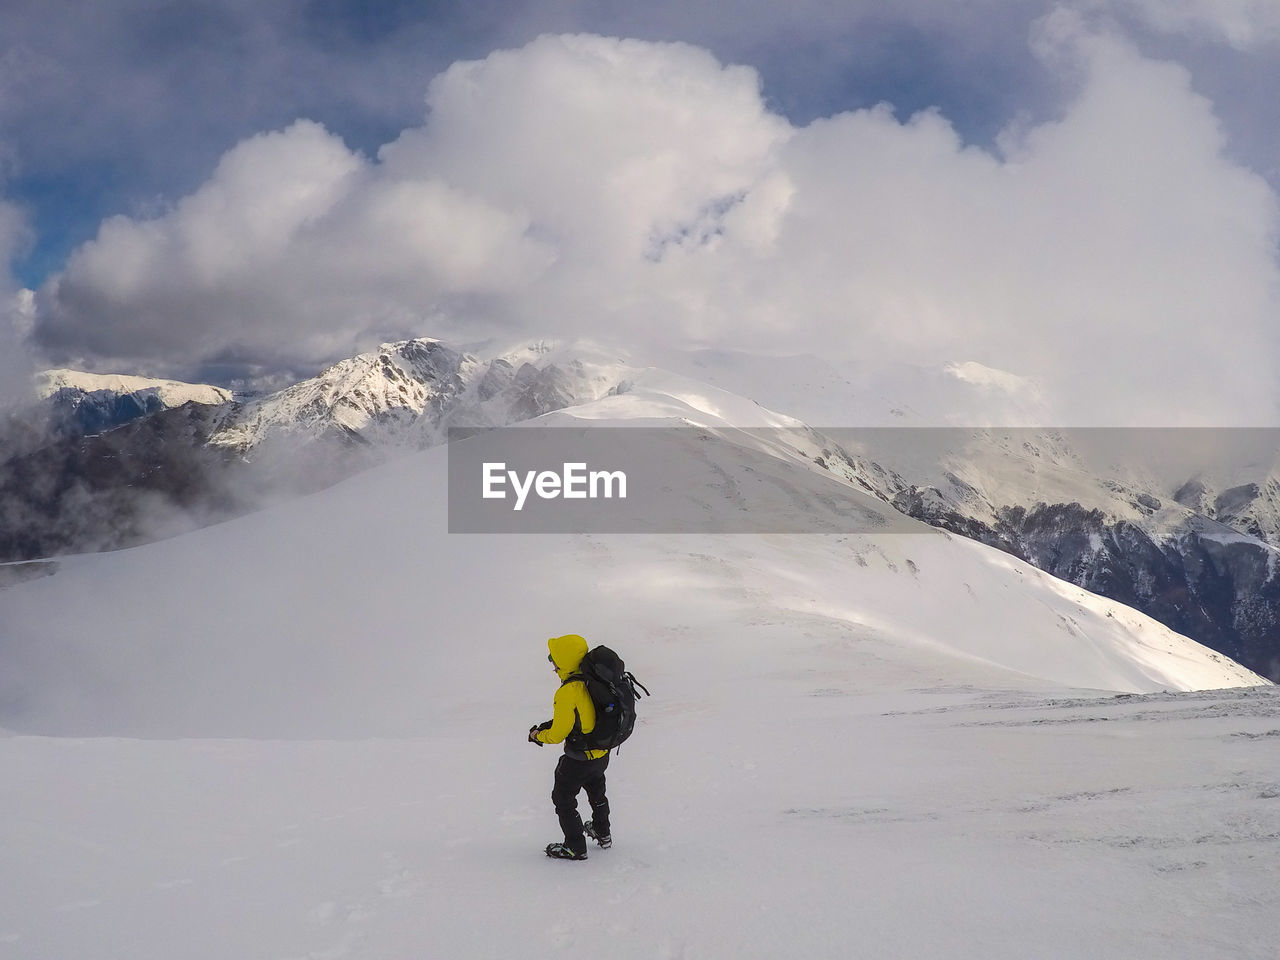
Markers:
(574, 740)
(631, 679)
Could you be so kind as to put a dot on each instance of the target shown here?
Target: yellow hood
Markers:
(567, 653)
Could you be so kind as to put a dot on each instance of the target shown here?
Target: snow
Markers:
(356, 396)
(754, 816)
(171, 393)
(864, 406)
(869, 391)
(980, 375)
(302, 734)
(406, 394)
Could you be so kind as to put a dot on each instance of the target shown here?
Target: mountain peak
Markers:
(79, 402)
(408, 392)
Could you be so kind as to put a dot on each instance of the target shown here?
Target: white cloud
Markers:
(992, 379)
(1114, 256)
(1240, 23)
(573, 149)
(601, 141)
(643, 193)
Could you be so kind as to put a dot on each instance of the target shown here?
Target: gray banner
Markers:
(689, 479)
(654, 480)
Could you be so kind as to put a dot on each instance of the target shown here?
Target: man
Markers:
(574, 715)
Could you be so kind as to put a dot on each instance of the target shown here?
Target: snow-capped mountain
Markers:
(202, 462)
(870, 391)
(1182, 524)
(924, 601)
(370, 397)
(100, 461)
(1100, 509)
(1251, 507)
(1106, 510)
(85, 403)
(407, 394)
(305, 735)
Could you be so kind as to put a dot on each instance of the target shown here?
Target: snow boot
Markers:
(605, 842)
(558, 851)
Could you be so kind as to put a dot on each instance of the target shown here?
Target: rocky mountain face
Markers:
(78, 403)
(1219, 590)
(408, 394)
(150, 478)
(101, 461)
(1202, 562)
(1252, 508)
(1198, 554)
(171, 467)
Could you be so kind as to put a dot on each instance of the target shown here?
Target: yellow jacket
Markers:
(573, 706)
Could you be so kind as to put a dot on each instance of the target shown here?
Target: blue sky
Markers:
(121, 106)
(124, 123)
(124, 106)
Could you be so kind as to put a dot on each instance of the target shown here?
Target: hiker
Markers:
(580, 768)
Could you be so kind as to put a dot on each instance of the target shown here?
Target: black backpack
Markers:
(613, 693)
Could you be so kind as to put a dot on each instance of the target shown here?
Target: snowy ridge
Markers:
(170, 393)
(868, 392)
(367, 396)
(1067, 501)
(1098, 508)
(901, 743)
(1230, 475)
(1143, 650)
(72, 403)
(408, 393)
(1251, 507)
(991, 470)
(1023, 469)
(929, 595)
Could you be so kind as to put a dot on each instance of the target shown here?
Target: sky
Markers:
(1069, 204)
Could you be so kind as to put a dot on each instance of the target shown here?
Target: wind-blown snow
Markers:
(858, 745)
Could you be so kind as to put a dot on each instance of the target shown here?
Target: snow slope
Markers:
(335, 597)
(969, 417)
(776, 813)
(858, 745)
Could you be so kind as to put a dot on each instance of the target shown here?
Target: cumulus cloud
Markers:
(1243, 24)
(1114, 256)
(1114, 259)
(572, 155)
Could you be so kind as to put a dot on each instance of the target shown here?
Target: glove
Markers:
(533, 736)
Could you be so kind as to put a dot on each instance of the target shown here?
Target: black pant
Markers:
(572, 776)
